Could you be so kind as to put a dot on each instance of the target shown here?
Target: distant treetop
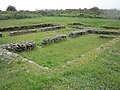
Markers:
(94, 8)
(11, 8)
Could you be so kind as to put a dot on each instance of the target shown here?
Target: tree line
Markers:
(94, 12)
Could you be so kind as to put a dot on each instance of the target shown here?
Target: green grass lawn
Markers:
(57, 54)
(59, 20)
(100, 73)
(97, 72)
(32, 36)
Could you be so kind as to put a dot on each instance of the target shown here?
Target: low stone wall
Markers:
(76, 23)
(52, 28)
(14, 33)
(0, 34)
(77, 27)
(78, 33)
(25, 27)
(11, 57)
(54, 39)
(88, 31)
(107, 36)
(110, 27)
(18, 47)
(79, 24)
(104, 32)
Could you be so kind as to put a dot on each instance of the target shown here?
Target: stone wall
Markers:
(76, 23)
(26, 27)
(14, 33)
(78, 33)
(52, 28)
(54, 39)
(107, 36)
(77, 27)
(104, 32)
(18, 47)
(90, 31)
(110, 27)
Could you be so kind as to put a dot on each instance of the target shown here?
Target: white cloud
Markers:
(58, 4)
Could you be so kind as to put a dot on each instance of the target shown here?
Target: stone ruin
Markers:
(110, 27)
(15, 28)
(106, 36)
(18, 47)
(52, 28)
(78, 33)
(104, 32)
(76, 24)
(14, 33)
(0, 34)
(77, 27)
(54, 39)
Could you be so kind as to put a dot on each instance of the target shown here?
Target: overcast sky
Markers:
(59, 4)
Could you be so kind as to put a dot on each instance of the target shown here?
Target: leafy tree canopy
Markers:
(11, 8)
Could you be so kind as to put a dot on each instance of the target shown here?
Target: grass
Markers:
(100, 72)
(55, 55)
(32, 36)
(59, 20)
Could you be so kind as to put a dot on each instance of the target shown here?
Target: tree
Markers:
(94, 8)
(11, 8)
